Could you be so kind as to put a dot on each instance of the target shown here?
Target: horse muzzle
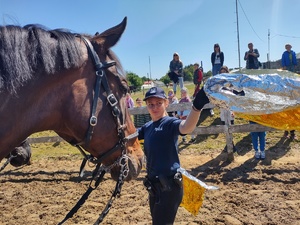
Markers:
(134, 166)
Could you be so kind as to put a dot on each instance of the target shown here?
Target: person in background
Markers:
(172, 100)
(251, 57)
(197, 78)
(259, 137)
(217, 59)
(183, 114)
(226, 115)
(176, 72)
(140, 119)
(288, 59)
(129, 101)
(160, 135)
(289, 62)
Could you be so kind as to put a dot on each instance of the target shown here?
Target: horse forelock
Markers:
(32, 50)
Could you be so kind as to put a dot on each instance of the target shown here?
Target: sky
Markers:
(158, 28)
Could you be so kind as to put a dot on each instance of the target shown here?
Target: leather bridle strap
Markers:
(101, 79)
(99, 171)
(98, 177)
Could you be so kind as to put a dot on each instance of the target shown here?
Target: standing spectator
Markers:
(140, 119)
(197, 78)
(261, 136)
(129, 101)
(227, 115)
(160, 135)
(172, 100)
(288, 59)
(217, 59)
(183, 114)
(251, 57)
(289, 62)
(176, 72)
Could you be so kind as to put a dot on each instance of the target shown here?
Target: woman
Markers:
(129, 101)
(172, 100)
(217, 59)
(176, 72)
(183, 114)
(160, 145)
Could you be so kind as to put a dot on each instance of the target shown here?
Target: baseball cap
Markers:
(155, 92)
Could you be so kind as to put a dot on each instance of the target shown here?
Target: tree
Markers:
(165, 79)
(145, 79)
(188, 72)
(134, 80)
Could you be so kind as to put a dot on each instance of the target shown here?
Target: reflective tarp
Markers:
(272, 97)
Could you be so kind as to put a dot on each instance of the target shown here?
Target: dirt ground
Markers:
(250, 191)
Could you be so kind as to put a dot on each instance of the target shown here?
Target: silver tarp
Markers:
(266, 91)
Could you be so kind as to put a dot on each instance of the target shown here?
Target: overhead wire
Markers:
(249, 20)
(283, 35)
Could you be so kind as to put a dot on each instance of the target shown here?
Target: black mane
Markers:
(27, 51)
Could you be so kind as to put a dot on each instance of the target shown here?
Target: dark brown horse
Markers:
(48, 81)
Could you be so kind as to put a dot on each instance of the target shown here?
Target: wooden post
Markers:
(229, 138)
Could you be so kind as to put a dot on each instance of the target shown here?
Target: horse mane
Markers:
(32, 49)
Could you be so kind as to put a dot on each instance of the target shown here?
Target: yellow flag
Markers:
(193, 192)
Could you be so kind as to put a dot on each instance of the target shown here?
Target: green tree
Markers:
(145, 79)
(134, 79)
(188, 72)
(207, 75)
(165, 79)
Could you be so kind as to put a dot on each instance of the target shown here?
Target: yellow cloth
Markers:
(193, 195)
(284, 120)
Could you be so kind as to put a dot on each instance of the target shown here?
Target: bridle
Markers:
(122, 161)
(101, 80)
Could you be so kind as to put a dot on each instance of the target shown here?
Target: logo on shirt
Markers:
(158, 129)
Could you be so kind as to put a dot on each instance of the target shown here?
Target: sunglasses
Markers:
(175, 55)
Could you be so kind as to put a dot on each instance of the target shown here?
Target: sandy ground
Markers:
(250, 191)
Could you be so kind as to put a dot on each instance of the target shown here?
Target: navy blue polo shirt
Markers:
(160, 146)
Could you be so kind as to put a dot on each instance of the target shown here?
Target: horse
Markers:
(72, 84)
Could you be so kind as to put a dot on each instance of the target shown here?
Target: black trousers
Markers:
(164, 204)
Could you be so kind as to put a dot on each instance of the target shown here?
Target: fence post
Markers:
(229, 138)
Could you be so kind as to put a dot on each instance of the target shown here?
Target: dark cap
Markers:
(155, 92)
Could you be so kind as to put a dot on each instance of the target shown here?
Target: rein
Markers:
(122, 161)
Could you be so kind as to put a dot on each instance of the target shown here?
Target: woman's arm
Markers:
(188, 125)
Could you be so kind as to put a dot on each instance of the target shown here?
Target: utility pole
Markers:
(269, 62)
(238, 33)
(150, 68)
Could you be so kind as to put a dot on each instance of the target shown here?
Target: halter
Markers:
(122, 161)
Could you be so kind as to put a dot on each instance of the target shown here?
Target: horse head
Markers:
(49, 80)
(107, 138)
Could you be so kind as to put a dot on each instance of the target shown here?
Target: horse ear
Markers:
(111, 36)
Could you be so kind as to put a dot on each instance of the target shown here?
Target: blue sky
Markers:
(158, 28)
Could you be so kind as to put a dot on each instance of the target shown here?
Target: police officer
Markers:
(160, 145)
